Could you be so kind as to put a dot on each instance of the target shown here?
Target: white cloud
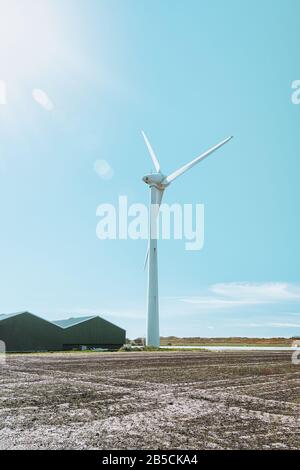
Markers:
(42, 99)
(238, 294)
(214, 303)
(265, 292)
(274, 325)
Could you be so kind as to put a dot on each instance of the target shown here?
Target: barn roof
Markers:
(4, 316)
(72, 321)
(65, 323)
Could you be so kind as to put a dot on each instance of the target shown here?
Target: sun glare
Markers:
(41, 97)
(28, 37)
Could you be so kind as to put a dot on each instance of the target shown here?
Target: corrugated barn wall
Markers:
(94, 332)
(25, 332)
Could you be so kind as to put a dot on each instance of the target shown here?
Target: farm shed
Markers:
(91, 331)
(25, 332)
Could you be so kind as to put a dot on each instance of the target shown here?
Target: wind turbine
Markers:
(158, 182)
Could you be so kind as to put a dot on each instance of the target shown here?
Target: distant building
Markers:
(25, 332)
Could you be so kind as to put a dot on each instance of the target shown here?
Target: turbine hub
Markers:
(155, 179)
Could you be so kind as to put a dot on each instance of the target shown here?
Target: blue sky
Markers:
(82, 79)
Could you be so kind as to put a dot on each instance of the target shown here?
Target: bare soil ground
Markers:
(160, 400)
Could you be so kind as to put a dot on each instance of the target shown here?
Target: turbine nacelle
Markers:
(156, 179)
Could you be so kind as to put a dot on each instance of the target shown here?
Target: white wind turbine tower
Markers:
(158, 183)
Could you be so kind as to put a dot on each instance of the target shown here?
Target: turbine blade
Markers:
(152, 154)
(186, 167)
(160, 193)
(156, 203)
(159, 196)
(146, 257)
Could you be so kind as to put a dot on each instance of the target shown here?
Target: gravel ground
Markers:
(167, 400)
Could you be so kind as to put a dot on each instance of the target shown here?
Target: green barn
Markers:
(26, 332)
(92, 332)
